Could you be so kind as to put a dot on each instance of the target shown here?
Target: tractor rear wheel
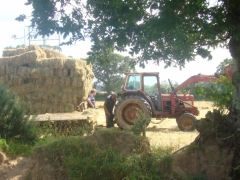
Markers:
(187, 122)
(126, 110)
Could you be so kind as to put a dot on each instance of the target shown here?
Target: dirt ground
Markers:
(163, 133)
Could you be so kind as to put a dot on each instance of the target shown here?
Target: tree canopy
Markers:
(229, 61)
(112, 74)
(160, 30)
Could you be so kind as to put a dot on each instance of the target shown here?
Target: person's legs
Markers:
(108, 123)
(111, 120)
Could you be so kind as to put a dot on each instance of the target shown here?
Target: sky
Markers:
(11, 9)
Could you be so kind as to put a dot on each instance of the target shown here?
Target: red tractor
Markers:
(143, 91)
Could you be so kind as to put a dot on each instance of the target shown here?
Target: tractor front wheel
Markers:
(187, 122)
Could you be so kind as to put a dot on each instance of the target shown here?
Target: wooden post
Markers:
(144, 130)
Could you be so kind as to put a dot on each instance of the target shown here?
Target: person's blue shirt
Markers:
(92, 99)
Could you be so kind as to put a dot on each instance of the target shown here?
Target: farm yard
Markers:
(164, 133)
(44, 132)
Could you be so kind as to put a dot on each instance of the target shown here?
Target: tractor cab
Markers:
(145, 84)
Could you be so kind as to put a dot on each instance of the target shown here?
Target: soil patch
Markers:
(209, 160)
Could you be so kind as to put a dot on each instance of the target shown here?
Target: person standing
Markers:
(91, 99)
(108, 108)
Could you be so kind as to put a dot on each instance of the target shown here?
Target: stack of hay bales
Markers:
(49, 81)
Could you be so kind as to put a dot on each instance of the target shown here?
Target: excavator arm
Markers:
(195, 79)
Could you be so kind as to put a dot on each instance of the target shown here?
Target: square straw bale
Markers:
(24, 72)
(36, 73)
(72, 63)
(52, 53)
(2, 70)
(58, 62)
(33, 47)
(47, 72)
(4, 61)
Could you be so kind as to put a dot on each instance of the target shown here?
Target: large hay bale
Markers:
(46, 79)
(27, 58)
(63, 72)
(4, 61)
(64, 98)
(77, 82)
(40, 81)
(48, 72)
(65, 81)
(3, 79)
(9, 70)
(13, 52)
(52, 53)
(78, 73)
(56, 81)
(2, 70)
(24, 72)
(72, 63)
(56, 62)
(15, 80)
(69, 107)
(36, 72)
(49, 82)
(33, 47)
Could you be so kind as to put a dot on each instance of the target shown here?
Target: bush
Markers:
(101, 96)
(82, 160)
(220, 92)
(14, 124)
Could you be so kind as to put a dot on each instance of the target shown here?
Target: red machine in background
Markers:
(143, 91)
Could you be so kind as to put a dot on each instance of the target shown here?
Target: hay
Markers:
(13, 52)
(78, 73)
(75, 63)
(52, 53)
(69, 107)
(56, 81)
(63, 72)
(4, 61)
(27, 58)
(65, 82)
(36, 73)
(47, 72)
(4, 79)
(40, 81)
(9, 70)
(49, 82)
(15, 80)
(24, 72)
(33, 47)
(77, 82)
(64, 98)
(2, 70)
(46, 79)
(56, 63)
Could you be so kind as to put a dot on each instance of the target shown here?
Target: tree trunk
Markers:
(234, 114)
(108, 88)
(234, 48)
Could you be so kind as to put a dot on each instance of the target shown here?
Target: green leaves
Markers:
(221, 92)
(13, 121)
(21, 18)
(174, 32)
(109, 68)
(3, 145)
